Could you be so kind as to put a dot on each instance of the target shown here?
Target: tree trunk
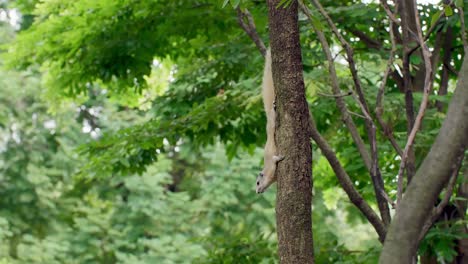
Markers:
(294, 173)
(401, 243)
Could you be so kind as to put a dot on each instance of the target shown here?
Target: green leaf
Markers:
(284, 3)
(316, 23)
(435, 17)
(459, 3)
(448, 11)
(225, 3)
(415, 60)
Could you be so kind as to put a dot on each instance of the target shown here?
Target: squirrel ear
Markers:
(260, 174)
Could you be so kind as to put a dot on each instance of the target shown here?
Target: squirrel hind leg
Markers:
(278, 158)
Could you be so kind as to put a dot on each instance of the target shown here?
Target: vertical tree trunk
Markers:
(294, 173)
(401, 242)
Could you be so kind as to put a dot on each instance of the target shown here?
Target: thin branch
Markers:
(377, 180)
(422, 108)
(433, 26)
(446, 58)
(368, 41)
(379, 109)
(336, 90)
(349, 54)
(428, 34)
(436, 212)
(463, 30)
(451, 69)
(356, 114)
(389, 12)
(407, 85)
(335, 95)
(462, 192)
(346, 182)
(389, 200)
(250, 28)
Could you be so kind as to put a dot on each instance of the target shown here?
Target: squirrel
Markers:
(267, 176)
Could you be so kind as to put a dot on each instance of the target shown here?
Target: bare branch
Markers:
(334, 95)
(370, 126)
(433, 26)
(446, 58)
(389, 12)
(368, 41)
(250, 28)
(406, 11)
(436, 212)
(336, 90)
(379, 109)
(422, 108)
(463, 30)
(356, 114)
(346, 183)
(389, 200)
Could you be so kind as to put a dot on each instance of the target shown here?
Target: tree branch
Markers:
(250, 28)
(401, 242)
(422, 108)
(346, 183)
(463, 30)
(337, 92)
(446, 58)
(448, 193)
(376, 177)
(379, 109)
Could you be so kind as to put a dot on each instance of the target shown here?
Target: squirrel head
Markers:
(263, 182)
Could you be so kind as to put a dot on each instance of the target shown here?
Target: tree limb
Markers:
(250, 28)
(422, 108)
(376, 177)
(440, 207)
(401, 242)
(337, 92)
(378, 105)
(346, 183)
(463, 30)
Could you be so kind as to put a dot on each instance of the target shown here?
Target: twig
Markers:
(370, 126)
(389, 200)
(436, 212)
(451, 69)
(422, 108)
(341, 104)
(407, 86)
(250, 28)
(379, 109)
(356, 114)
(463, 30)
(335, 95)
(431, 29)
(389, 12)
(346, 182)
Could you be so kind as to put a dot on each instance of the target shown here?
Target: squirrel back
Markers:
(267, 176)
(268, 90)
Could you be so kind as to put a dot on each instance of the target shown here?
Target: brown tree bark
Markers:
(294, 173)
(401, 242)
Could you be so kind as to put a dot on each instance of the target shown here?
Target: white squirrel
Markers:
(267, 176)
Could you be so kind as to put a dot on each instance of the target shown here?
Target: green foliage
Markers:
(131, 133)
(442, 239)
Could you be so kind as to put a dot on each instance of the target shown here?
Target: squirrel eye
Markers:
(258, 183)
